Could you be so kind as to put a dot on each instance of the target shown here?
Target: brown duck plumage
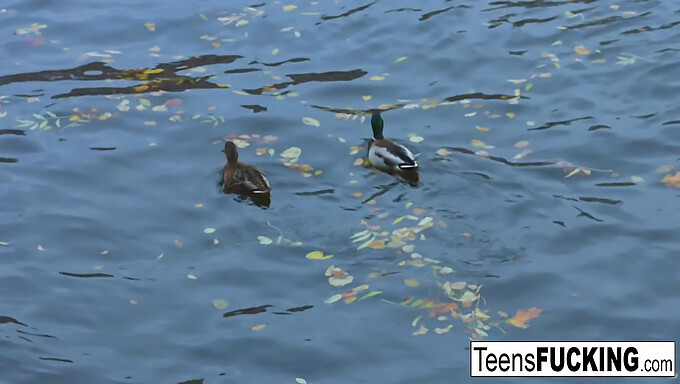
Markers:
(240, 178)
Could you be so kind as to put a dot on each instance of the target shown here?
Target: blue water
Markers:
(116, 241)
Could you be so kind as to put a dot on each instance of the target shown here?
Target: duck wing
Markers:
(395, 155)
(252, 179)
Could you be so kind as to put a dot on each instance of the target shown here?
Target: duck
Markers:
(241, 178)
(385, 154)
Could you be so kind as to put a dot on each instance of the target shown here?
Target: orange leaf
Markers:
(377, 244)
(141, 88)
(521, 318)
(443, 308)
(418, 211)
(178, 243)
(672, 180)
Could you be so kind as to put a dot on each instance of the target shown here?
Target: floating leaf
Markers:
(311, 121)
(150, 26)
(672, 180)
(399, 60)
(572, 173)
(482, 129)
(209, 230)
(377, 78)
(370, 294)
(521, 144)
(178, 243)
(258, 327)
(192, 277)
(220, 304)
(367, 98)
(300, 380)
(264, 240)
(637, 179)
(416, 320)
(318, 255)
(443, 152)
(416, 139)
(364, 245)
(581, 50)
(333, 299)
(275, 51)
(291, 153)
(412, 282)
(420, 331)
(477, 143)
(377, 244)
(241, 22)
(440, 331)
(664, 169)
(290, 7)
(521, 318)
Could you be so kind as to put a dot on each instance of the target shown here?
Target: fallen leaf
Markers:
(581, 50)
(377, 244)
(318, 255)
(370, 294)
(377, 78)
(133, 302)
(440, 331)
(264, 240)
(477, 143)
(416, 139)
(311, 121)
(420, 331)
(442, 308)
(521, 144)
(150, 26)
(290, 7)
(259, 327)
(521, 318)
(300, 380)
(333, 299)
(672, 180)
(399, 60)
(412, 282)
(178, 243)
(220, 304)
(209, 230)
(443, 152)
(192, 277)
(637, 179)
(367, 98)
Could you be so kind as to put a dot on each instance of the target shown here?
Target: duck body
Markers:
(241, 178)
(386, 154)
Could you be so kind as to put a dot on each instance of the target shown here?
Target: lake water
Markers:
(546, 133)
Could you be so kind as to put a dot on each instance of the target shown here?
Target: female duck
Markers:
(240, 178)
(385, 154)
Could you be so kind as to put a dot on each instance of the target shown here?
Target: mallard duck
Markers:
(386, 154)
(240, 178)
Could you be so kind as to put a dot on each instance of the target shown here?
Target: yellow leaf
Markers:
(581, 50)
(150, 26)
(358, 161)
(377, 78)
(275, 51)
(377, 244)
(259, 327)
(477, 143)
(412, 282)
(290, 7)
(241, 22)
(357, 194)
(521, 144)
(318, 255)
(521, 318)
(672, 180)
(367, 97)
(510, 115)
(443, 152)
(482, 129)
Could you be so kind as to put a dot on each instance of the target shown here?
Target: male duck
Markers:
(385, 154)
(240, 178)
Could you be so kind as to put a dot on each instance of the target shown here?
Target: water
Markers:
(108, 274)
